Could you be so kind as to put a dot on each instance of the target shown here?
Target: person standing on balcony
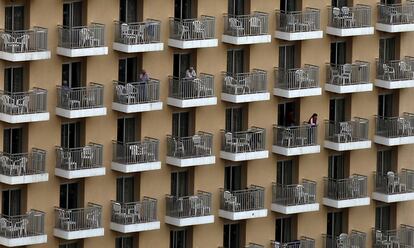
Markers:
(143, 84)
(313, 120)
(190, 73)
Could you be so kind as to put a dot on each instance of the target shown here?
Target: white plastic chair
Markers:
(199, 29)
(230, 200)
(389, 72)
(236, 25)
(255, 25)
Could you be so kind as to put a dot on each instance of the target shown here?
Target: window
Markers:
(339, 3)
(285, 172)
(390, 1)
(387, 49)
(284, 230)
(236, 61)
(334, 228)
(287, 57)
(128, 11)
(178, 238)
(384, 161)
(126, 130)
(383, 218)
(237, 7)
(181, 124)
(287, 114)
(179, 183)
(183, 9)
(386, 105)
(13, 140)
(72, 13)
(13, 79)
(235, 119)
(11, 202)
(336, 166)
(232, 236)
(72, 74)
(70, 135)
(182, 62)
(233, 177)
(127, 70)
(69, 197)
(124, 242)
(14, 18)
(338, 53)
(125, 189)
(289, 5)
(337, 109)
(70, 245)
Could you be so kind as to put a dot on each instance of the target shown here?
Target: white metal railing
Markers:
(80, 158)
(246, 25)
(402, 237)
(296, 136)
(394, 183)
(145, 151)
(21, 103)
(191, 88)
(303, 242)
(245, 83)
(294, 194)
(396, 14)
(79, 218)
(81, 97)
(297, 78)
(198, 145)
(348, 74)
(23, 41)
(134, 212)
(138, 33)
(82, 36)
(355, 239)
(307, 20)
(347, 131)
(192, 29)
(358, 16)
(22, 226)
(248, 199)
(23, 164)
(347, 188)
(189, 206)
(252, 140)
(137, 92)
(394, 127)
(395, 70)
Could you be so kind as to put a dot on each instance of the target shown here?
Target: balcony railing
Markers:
(243, 200)
(80, 97)
(348, 74)
(134, 212)
(79, 219)
(297, 78)
(22, 103)
(245, 83)
(80, 158)
(396, 14)
(138, 33)
(396, 70)
(191, 88)
(137, 92)
(395, 127)
(355, 239)
(392, 183)
(192, 29)
(23, 164)
(198, 145)
(23, 41)
(298, 136)
(246, 25)
(22, 226)
(294, 194)
(350, 17)
(348, 188)
(252, 140)
(304, 242)
(402, 237)
(307, 20)
(347, 131)
(189, 206)
(82, 37)
(145, 151)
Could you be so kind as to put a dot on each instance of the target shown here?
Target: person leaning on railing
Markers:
(143, 81)
(313, 122)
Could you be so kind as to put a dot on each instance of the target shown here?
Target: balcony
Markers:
(245, 87)
(24, 45)
(242, 204)
(190, 151)
(23, 168)
(80, 102)
(137, 97)
(304, 242)
(79, 162)
(246, 29)
(298, 25)
(298, 82)
(138, 37)
(347, 192)
(347, 135)
(295, 198)
(395, 74)
(355, 239)
(392, 187)
(189, 210)
(195, 92)
(348, 78)
(193, 33)
(402, 237)
(22, 107)
(244, 145)
(22, 230)
(137, 156)
(135, 216)
(396, 18)
(82, 41)
(394, 131)
(350, 21)
(78, 223)
(293, 141)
